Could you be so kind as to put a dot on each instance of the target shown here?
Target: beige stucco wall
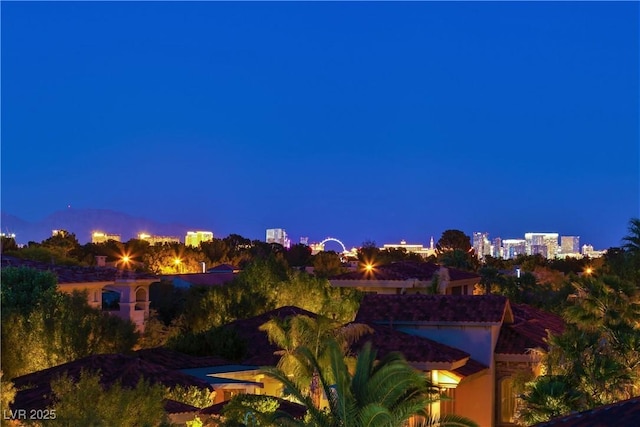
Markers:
(475, 399)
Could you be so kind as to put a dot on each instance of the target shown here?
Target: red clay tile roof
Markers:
(405, 270)
(76, 274)
(470, 368)
(528, 330)
(388, 309)
(623, 414)
(175, 407)
(260, 352)
(35, 388)
(414, 348)
(291, 408)
(174, 360)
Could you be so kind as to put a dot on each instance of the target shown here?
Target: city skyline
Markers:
(278, 235)
(365, 121)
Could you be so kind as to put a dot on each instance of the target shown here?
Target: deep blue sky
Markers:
(361, 121)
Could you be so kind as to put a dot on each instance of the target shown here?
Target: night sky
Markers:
(363, 121)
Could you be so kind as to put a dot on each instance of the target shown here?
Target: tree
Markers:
(547, 398)
(596, 361)
(378, 393)
(240, 407)
(7, 244)
(44, 327)
(63, 243)
(191, 395)
(174, 258)
(452, 240)
(632, 240)
(314, 334)
(7, 395)
(327, 264)
(216, 250)
(298, 255)
(115, 406)
(454, 250)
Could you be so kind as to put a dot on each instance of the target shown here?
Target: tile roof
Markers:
(387, 309)
(471, 367)
(174, 360)
(175, 407)
(625, 413)
(414, 348)
(528, 330)
(405, 270)
(35, 388)
(76, 274)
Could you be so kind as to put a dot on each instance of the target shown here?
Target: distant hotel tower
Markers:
(278, 235)
(158, 240)
(194, 238)
(570, 244)
(481, 244)
(545, 244)
(100, 237)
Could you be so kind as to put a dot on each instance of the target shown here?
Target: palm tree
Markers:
(299, 331)
(632, 240)
(548, 397)
(385, 393)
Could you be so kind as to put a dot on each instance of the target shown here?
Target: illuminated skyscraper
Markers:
(550, 240)
(100, 237)
(278, 235)
(496, 248)
(481, 244)
(158, 240)
(511, 248)
(194, 238)
(570, 244)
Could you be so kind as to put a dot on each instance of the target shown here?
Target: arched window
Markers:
(110, 300)
(507, 400)
(141, 298)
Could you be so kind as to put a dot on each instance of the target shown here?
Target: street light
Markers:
(178, 263)
(125, 260)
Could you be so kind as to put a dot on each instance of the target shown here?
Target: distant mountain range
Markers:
(83, 222)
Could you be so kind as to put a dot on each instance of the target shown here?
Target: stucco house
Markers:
(408, 277)
(498, 338)
(123, 293)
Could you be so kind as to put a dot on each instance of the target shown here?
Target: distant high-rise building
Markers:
(158, 240)
(100, 237)
(194, 238)
(570, 244)
(304, 241)
(511, 248)
(588, 251)
(496, 248)
(550, 240)
(481, 244)
(278, 235)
